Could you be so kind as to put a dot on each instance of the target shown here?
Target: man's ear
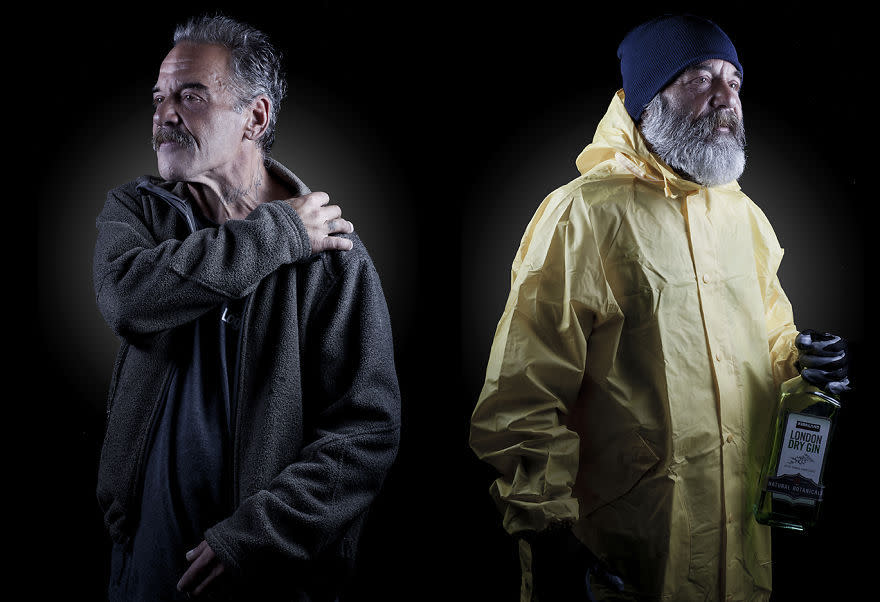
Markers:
(257, 117)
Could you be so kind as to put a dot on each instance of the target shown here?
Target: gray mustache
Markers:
(724, 118)
(727, 118)
(172, 135)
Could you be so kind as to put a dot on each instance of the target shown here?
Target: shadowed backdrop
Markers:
(439, 129)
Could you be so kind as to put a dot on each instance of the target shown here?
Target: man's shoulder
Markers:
(594, 192)
(327, 266)
(349, 270)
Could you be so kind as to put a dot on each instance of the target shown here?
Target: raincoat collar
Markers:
(619, 140)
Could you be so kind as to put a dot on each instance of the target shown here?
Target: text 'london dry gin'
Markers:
(791, 484)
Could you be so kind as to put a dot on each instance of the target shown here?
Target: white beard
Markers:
(694, 149)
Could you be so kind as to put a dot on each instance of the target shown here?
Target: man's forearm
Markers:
(144, 287)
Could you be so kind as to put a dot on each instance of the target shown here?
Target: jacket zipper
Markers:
(136, 489)
(185, 211)
(177, 203)
(237, 391)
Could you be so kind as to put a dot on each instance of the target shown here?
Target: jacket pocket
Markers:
(679, 567)
(608, 471)
(114, 379)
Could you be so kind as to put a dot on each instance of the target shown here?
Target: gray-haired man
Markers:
(254, 407)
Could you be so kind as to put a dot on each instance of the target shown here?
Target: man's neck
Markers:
(234, 194)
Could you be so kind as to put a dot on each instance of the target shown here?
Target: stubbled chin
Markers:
(170, 170)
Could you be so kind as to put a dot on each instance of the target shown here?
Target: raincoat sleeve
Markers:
(536, 367)
(781, 330)
(144, 285)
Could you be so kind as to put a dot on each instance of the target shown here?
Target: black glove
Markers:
(822, 360)
(562, 567)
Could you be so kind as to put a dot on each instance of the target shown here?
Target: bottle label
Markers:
(801, 459)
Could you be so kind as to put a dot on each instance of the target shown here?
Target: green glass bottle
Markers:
(792, 483)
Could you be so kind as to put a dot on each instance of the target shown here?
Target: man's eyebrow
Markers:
(705, 67)
(186, 86)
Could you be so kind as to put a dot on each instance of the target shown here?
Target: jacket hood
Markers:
(618, 146)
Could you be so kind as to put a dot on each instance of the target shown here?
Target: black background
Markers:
(439, 128)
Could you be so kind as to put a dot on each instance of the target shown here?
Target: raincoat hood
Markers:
(618, 146)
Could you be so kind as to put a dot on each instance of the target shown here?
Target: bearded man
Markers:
(254, 409)
(633, 373)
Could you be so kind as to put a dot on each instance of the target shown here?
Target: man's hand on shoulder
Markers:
(322, 220)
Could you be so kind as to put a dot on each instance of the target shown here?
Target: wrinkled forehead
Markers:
(206, 64)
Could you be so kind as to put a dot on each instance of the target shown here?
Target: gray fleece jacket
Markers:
(318, 404)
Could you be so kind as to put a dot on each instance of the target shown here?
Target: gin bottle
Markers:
(791, 484)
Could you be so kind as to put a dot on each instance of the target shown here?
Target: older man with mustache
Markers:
(254, 407)
(632, 378)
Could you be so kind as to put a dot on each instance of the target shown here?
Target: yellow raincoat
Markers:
(634, 372)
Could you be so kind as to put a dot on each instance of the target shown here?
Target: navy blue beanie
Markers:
(654, 53)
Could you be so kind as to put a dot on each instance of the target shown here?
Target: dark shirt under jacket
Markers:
(186, 482)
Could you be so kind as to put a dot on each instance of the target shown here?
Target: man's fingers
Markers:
(195, 552)
(820, 343)
(216, 571)
(200, 560)
(322, 221)
(331, 212)
(339, 226)
(823, 362)
(334, 220)
(314, 202)
(192, 574)
(336, 243)
(311, 201)
(319, 198)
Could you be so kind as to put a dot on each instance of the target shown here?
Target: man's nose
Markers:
(724, 96)
(166, 113)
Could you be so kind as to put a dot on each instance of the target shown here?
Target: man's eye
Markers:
(157, 100)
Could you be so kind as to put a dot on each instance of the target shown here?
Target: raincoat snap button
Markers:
(706, 278)
(730, 438)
